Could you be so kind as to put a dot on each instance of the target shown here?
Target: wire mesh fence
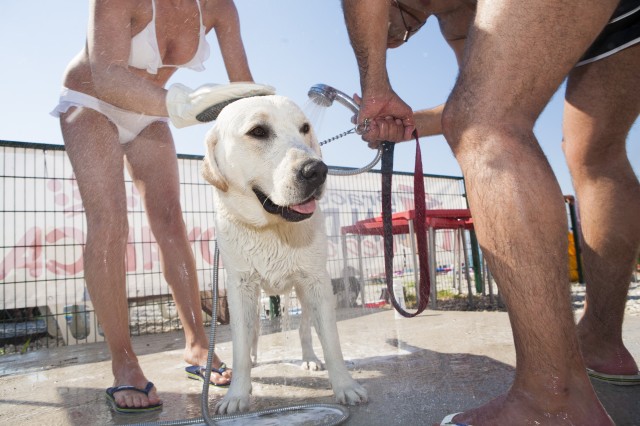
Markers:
(43, 299)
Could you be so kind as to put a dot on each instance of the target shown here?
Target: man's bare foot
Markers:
(198, 356)
(603, 355)
(520, 408)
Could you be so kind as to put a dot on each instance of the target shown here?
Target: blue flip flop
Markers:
(129, 410)
(615, 379)
(196, 372)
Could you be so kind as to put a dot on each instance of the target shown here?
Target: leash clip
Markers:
(363, 128)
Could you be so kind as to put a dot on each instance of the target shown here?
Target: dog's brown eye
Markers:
(305, 128)
(259, 132)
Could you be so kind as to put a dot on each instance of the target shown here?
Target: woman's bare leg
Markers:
(154, 168)
(97, 158)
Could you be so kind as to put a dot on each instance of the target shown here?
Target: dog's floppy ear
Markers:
(210, 171)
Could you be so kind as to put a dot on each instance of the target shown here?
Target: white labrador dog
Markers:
(264, 162)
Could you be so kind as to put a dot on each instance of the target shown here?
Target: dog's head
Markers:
(264, 159)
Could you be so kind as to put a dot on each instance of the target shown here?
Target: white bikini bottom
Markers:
(129, 124)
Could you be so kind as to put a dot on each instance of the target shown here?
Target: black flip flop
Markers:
(196, 372)
(129, 410)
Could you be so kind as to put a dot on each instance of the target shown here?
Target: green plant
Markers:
(410, 301)
(446, 294)
(25, 346)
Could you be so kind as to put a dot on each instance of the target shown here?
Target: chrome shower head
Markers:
(324, 95)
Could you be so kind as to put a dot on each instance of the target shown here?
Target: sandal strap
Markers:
(145, 391)
(222, 369)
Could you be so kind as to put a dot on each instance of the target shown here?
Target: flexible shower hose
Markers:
(352, 172)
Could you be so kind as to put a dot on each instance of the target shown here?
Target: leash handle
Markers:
(419, 223)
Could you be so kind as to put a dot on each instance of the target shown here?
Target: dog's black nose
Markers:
(314, 172)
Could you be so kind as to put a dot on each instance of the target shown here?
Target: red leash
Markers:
(419, 223)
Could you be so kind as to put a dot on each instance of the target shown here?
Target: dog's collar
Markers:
(285, 212)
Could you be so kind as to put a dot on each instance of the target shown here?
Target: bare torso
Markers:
(177, 24)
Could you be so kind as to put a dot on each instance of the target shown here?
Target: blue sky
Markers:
(291, 45)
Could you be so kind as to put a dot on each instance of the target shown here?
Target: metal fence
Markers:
(43, 300)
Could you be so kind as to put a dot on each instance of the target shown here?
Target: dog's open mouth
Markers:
(293, 213)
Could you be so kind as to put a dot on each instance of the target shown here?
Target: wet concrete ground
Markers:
(415, 370)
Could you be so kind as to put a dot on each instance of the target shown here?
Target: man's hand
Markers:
(388, 118)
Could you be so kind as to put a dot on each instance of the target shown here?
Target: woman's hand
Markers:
(187, 107)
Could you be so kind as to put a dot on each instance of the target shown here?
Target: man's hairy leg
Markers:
(603, 101)
(517, 56)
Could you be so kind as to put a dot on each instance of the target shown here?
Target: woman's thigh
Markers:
(92, 145)
(153, 166)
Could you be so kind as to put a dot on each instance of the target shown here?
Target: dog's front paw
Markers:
(312, 365)
(351, 393)
(233, 404)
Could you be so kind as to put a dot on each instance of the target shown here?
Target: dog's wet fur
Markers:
(264, 162)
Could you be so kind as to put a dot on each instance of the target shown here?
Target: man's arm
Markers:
(389, 117)
(366, 22)
(454, 26)
(429, 121)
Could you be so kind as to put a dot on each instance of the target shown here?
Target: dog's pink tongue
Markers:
(305, 208)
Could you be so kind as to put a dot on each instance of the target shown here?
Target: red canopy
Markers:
(436, 218)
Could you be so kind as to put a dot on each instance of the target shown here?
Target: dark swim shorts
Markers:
(622, 31)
